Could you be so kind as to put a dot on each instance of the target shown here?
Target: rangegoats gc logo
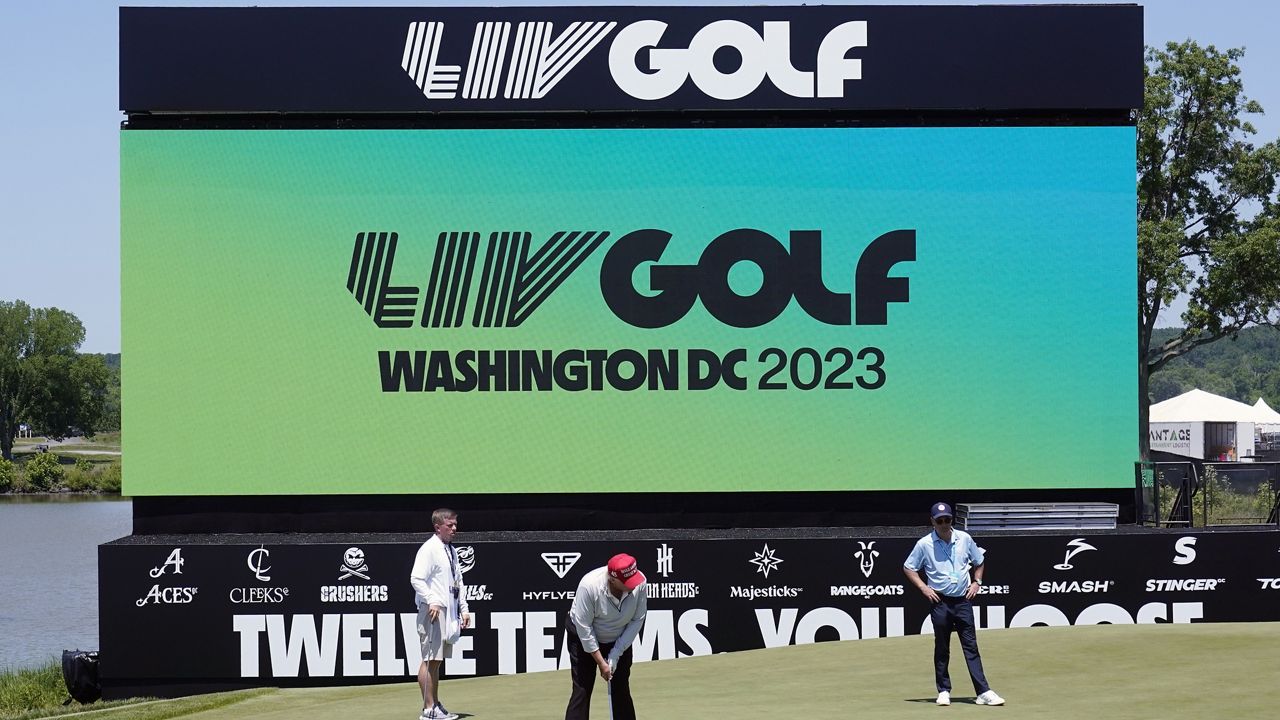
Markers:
(510, 282)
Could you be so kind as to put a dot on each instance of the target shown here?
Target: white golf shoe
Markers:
(989, 698)
(944, 698)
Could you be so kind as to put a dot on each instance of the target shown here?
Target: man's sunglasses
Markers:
(944, 520)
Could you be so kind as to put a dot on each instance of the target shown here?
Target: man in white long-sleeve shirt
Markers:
(606, 616)
(442, 607)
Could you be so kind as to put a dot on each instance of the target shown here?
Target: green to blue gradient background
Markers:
(250, 369)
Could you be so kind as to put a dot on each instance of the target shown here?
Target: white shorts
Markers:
(431, 636)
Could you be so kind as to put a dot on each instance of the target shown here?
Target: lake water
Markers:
(49, 573)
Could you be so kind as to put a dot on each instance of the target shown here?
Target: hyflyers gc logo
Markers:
(510, 283)
(561, 562)
(537, 58)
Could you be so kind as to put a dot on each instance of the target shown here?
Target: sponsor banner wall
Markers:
(198, 615)
(603, 311)
(512, 59)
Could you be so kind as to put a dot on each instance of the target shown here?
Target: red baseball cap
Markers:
(623, 567)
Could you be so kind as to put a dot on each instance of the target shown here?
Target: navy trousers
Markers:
(956, 613)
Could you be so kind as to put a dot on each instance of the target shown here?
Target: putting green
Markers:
(1142, 671)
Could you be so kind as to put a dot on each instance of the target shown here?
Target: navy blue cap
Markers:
(939, 510)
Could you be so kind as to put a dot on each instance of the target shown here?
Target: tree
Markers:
(43, 379)
(1208, 220)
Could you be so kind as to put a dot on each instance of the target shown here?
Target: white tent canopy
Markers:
(1266, 417)
(1200, 406)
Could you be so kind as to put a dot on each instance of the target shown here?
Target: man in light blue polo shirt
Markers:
(944, 558)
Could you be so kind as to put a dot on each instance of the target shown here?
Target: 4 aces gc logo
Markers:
(511, 281)
(502, 282)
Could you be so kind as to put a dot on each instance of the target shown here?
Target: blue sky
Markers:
(59, 132)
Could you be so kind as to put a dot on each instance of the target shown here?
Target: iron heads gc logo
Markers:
(511, 283)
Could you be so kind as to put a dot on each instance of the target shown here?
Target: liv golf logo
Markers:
(511, 281)
(503, 286)
(526, 60)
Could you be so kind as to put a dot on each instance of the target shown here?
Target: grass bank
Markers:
(39, 692)
(52, 472)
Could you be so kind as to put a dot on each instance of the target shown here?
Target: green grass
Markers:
(39, 692)
(148, 708)
(22, 690)
(1169, 672)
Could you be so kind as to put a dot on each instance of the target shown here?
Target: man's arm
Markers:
(419, 574)
(582, 616)
(425, 566)
(977, 558)
(911, 567)
(921, 585)
(632, 629)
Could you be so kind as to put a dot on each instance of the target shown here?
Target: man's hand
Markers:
(606, 671)
(931, 594)
(466, 620)
(433, 612)
(972, 592)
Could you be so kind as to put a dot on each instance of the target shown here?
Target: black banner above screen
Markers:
(650, 59)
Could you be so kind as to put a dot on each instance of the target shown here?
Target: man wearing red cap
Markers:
(606, 616)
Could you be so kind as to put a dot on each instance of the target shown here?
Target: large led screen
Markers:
(664, 310)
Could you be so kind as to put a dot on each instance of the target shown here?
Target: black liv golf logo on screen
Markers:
(502, 282)
(508, 284)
